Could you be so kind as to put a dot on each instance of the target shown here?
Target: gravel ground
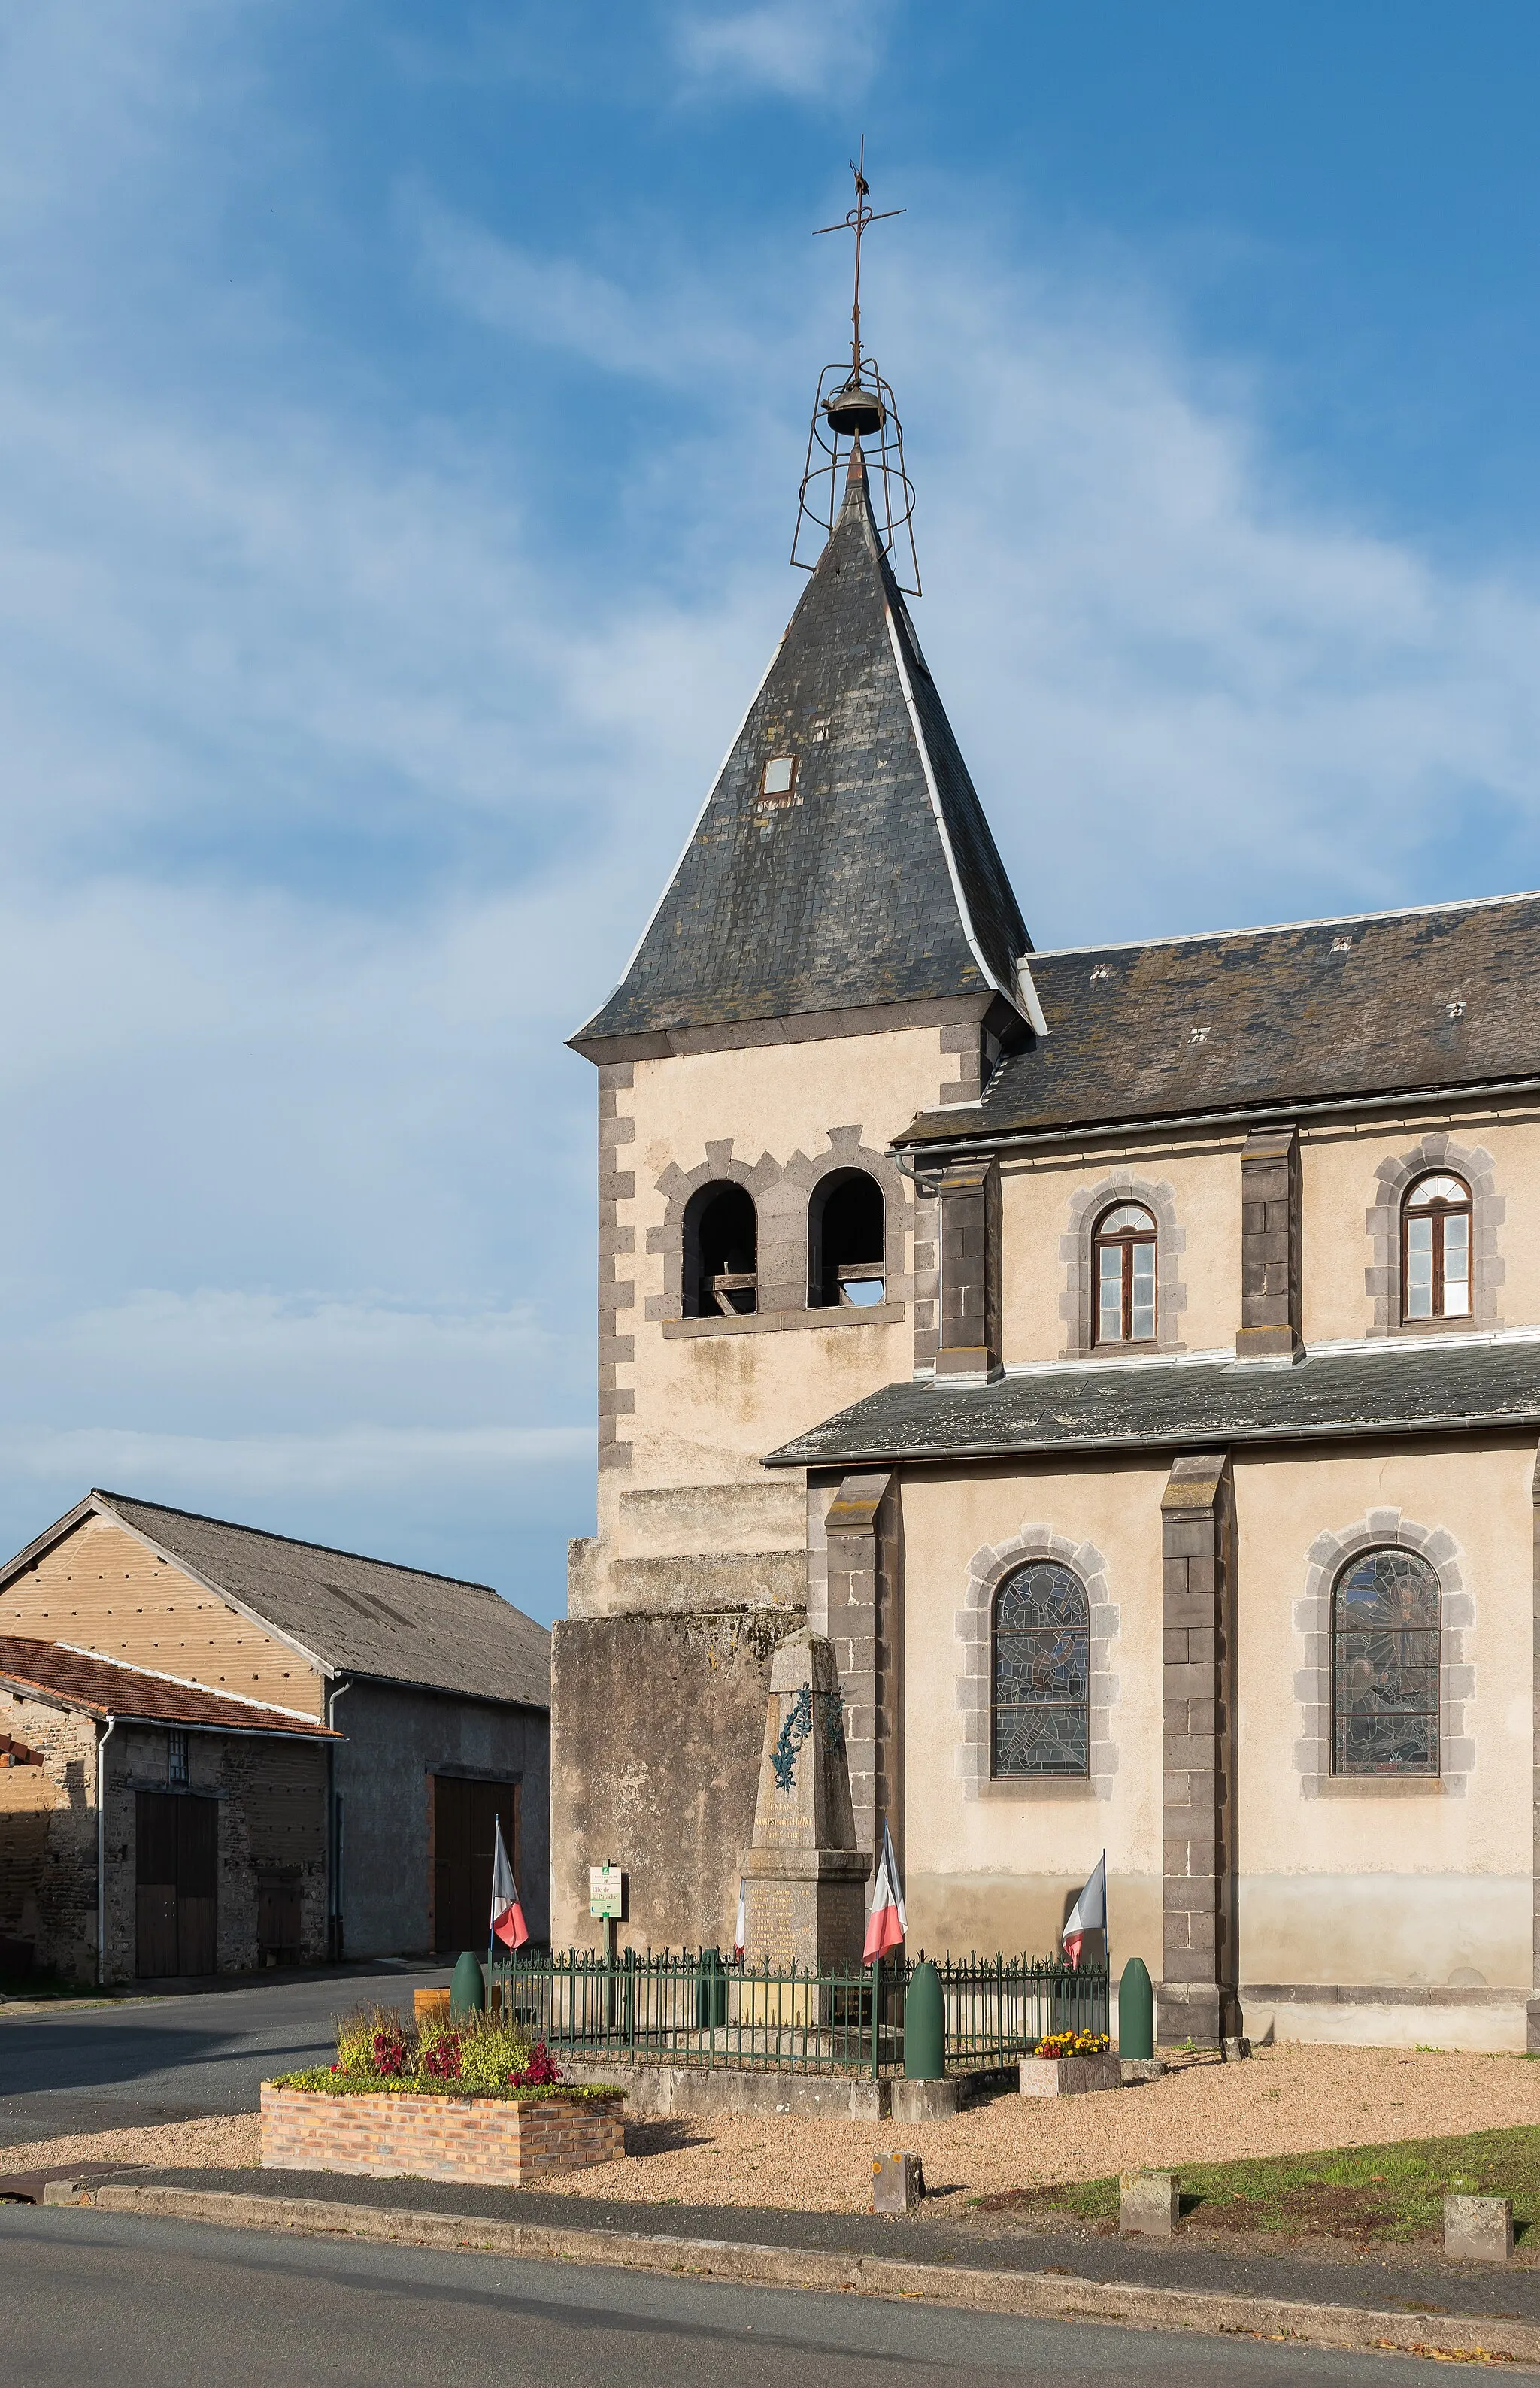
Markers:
(212, 2140)
(1284, 2101)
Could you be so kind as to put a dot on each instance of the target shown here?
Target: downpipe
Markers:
(102, 1741)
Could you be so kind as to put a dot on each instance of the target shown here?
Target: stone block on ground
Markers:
(923, 2101)
(1479, 2229)
(1069, 2076)
(898, 2184)
(1147, 2205)
(1232, 2051)
(1142, 2068)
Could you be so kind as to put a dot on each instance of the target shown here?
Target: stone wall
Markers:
(394, 1742)
(271, 1797)
(657, 1723)
(48, 1840)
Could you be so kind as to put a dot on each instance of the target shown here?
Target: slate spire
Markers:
(842, 859)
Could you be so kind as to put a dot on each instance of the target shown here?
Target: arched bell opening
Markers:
(845, 1239)
(720, 1253)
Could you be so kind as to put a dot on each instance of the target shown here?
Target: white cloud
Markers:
(824, 51)
(358, 1462)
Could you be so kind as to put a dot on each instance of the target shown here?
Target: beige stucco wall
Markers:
(1036, 1199)
(998, 1871)
(1338, 1169)
(705, 1408)
(1339, 1185)
(1393, 1885)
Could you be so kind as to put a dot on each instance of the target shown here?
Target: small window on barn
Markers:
(778, 783)
(1125, 1248)
(176, 1759)
(1385, 1624)
(720, 1245)
(845, 1241)
(1435, 1249)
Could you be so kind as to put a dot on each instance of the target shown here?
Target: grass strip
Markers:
(1380, 2194)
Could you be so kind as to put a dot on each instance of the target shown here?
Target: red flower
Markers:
(541, 2072)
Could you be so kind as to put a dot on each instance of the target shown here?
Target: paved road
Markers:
(94, 2068)
(90, 2295)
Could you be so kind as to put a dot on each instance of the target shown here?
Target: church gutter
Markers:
(913, 1152)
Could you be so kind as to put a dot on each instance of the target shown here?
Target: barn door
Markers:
(196, 1884)
(463, 1816)
(155, 1883)
(176, 1876)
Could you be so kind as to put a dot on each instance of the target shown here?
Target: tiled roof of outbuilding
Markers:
(356, 1616)
(863, 890)
(1447, 995)
(103, 1688)
(1454, 1388)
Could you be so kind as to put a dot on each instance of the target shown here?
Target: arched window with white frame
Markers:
(1124, 1251)
(1435, 1248)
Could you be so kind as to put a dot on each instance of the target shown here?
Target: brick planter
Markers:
(1067, 2077)
(502, 2143)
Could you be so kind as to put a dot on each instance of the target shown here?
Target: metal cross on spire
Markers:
(854, 404)
(856, 219)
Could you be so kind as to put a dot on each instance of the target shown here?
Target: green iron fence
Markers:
(692, 2008)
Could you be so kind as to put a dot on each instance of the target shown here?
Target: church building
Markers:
(1128, 1357)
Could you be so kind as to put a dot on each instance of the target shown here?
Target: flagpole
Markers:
(1107, 1940)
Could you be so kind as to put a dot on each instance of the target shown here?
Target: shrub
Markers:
(362, 2039)
(439, 2057)
(491, 2053)
(543, 2072)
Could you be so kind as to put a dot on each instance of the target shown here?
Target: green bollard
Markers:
(1136, 2010)
(924, 2026)
(468, 1991)
(711, 1992)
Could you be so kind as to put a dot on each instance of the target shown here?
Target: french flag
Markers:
(1089, 1913)
(886, 1922)
(740, 1930)
(508, 1923)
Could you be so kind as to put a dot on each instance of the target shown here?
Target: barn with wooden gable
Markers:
(388, 1716)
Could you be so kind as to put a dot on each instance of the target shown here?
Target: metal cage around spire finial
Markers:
(854, 404)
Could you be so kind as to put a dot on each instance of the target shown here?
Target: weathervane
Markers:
(853, 403)
(856, 219)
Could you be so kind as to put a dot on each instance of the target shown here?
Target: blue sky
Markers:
(400, 414)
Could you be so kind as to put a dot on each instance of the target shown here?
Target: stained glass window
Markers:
(1040, 1704)
(1384, 1669)
(1126, 1275)
(1435, 1250)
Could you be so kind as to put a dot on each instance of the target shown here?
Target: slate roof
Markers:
(864, 890)
(1186, 1406)
(354, 1616)
(103, 1688)
(1447, 995)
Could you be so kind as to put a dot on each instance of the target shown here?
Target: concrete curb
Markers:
(1035, 2295)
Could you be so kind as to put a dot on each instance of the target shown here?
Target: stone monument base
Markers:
(806, 1907)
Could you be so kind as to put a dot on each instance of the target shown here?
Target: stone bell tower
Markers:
(838, 949)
